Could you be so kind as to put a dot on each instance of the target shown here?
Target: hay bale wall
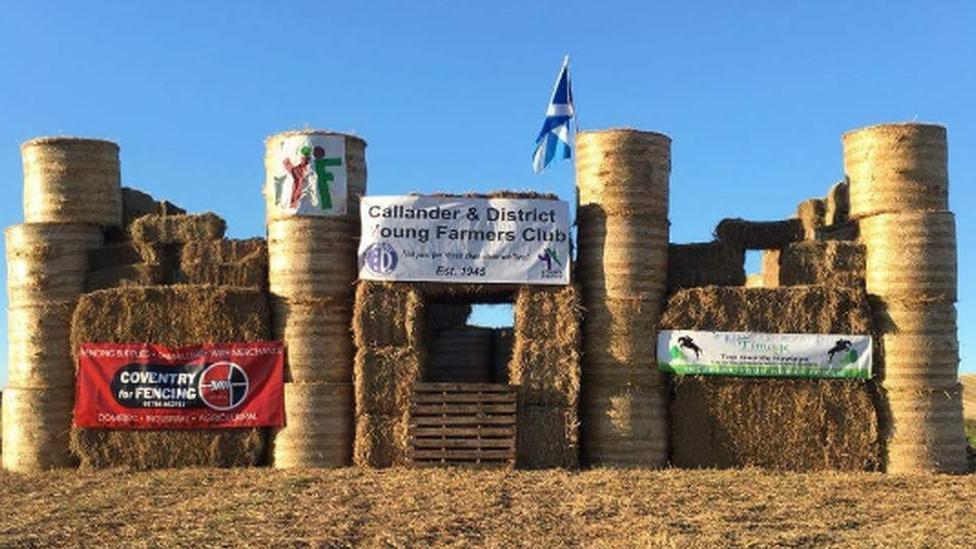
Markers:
(897, 168)
(241, 263)
(145, 314)
(72, 180)
(712, 417)
(623, 180)
(795, 425)
(705, 264)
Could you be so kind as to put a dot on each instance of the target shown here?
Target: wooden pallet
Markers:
(462, 425)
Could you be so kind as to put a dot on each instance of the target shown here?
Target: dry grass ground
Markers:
(439, 508)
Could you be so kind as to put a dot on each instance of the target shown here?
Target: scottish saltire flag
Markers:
(554, 142)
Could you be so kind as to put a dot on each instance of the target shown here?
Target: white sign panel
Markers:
(751, 354)
(307, 175)
(464, 240)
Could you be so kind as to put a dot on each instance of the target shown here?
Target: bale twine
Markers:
(623, 170)
(897, 168)
(622, 256)
(36, 425)
(48, 261)
(625, 426)
(311, 257)
(911, 255)
(926, 431)
(38, 346)
(919, 342)
(461, 355)
(71, 180)
(318, 429)
(318, 339)
(355, 163)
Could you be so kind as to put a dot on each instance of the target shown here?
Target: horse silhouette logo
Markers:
(842, 345)
(686, 342)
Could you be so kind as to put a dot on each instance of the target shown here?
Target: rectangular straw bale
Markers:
(784, 424)
(838, 204)
(830, 263)
(102, 448)
(848, 230)
(388, 315)
(114, 255)
(759, 235)
(797, 309)
(770, 268)
(545, 363)
(135, 204)
(177, 229)
(705, 264)
(173, 316)
(225, 262)
(384, 379)
(811, 213)
(548, 437)
(381, 440)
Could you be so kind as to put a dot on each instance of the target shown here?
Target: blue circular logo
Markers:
(380, 258)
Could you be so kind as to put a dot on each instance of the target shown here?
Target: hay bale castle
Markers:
(575, 380)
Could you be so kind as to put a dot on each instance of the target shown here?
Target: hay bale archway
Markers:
(390, 326)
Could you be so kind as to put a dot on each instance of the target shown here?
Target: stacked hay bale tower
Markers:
(71, 189)
(622, 178)
(312, 271)
(899, 185)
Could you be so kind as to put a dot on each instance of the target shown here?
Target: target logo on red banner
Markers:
(223, 386)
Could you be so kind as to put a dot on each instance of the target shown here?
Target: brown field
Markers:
(442, 508)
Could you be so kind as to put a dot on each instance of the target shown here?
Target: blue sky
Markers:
(450, 95)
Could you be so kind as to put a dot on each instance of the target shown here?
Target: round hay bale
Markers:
(318, 429)
(624, 426)
(39, 352)
(920, 343)
(622, 256)
(616, 348)
(927, 434)
(623, 170)
(462, 355)
(48, 261)
(71, 180)
(355, 163)
(36, 425)
(911, 255)
(310, 257)
(897, 168)
(318, 340)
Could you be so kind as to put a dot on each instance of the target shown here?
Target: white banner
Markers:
(308, 175)
(751, 354)
(464, 240)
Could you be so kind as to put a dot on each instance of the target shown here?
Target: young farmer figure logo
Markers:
(310, 176)
(550, 257)
(223, 386)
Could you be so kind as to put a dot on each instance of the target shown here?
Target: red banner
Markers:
(144, 386)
